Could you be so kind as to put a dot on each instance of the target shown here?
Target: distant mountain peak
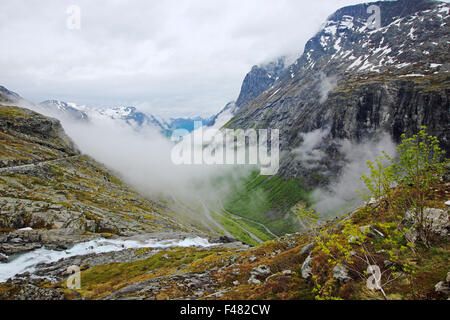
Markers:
(60, 108)
(260, 78)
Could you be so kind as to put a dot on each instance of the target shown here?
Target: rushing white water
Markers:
(27, 262)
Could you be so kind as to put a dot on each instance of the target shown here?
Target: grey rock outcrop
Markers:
(436, 222)
(259, 273)
(340, 272)
(306, 269)
(443, 286)
(259, 79)
(307, 249)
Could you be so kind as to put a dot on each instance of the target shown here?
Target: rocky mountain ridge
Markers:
(59, 196)
(129, 115)
(259, 79)
(355, 82)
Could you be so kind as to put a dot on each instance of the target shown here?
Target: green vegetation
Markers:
(418, 169)
(101, 280)
(241, 229)
(309, 218)
(268, 200)
(384, 244)
(13, 112)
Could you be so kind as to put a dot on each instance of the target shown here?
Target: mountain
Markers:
(351, 94)
(64, 109)
(128, 114)
(259, 79)
(354, 82)
(186, 123)
(8, 97)
(225, 115)
(131, 116)
(53, 196)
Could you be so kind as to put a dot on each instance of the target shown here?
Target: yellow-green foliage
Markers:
(13, 112)
(102, 280)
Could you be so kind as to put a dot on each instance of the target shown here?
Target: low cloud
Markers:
(341, 195)
(143, 159)
(327, 84)
(309, 152)
(176, 57)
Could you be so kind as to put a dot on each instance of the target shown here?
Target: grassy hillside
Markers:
(45, 184)
(268, 200)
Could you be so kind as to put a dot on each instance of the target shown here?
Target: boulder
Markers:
(340, 272)
(195, 284)
(307, 249)
(437, 222)
(261, 271)
(3, 258)
(273, 254)
(258, 272)
(253, 280)
(306, 268)
(443, 287)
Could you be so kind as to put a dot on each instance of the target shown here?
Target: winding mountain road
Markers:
(25, 167)
(252, 221)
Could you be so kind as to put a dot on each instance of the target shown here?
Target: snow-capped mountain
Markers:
(353, 82)
(69, 110)
(259, 79)
(131, 116)
(127, 114)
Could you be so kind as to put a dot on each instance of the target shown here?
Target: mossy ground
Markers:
(102, 280)
(419, 268)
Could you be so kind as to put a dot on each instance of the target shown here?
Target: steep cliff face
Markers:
(259, 79)
(354, 82)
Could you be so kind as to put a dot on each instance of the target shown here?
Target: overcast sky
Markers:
(167, 57)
